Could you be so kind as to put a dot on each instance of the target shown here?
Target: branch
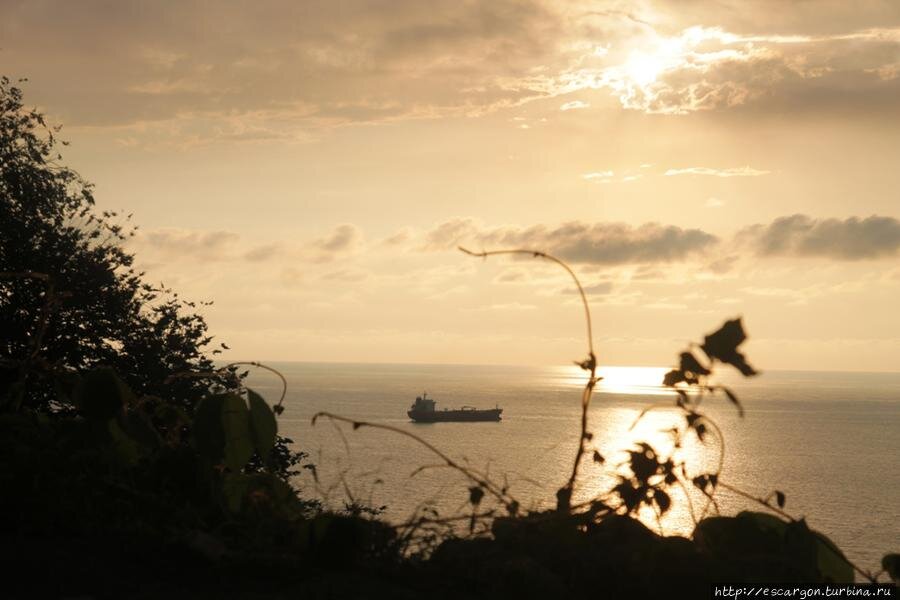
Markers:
(511, 504)
(564, 494)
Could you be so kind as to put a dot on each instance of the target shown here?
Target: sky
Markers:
(311, 167)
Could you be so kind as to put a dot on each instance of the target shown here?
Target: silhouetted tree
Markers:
(70, 298)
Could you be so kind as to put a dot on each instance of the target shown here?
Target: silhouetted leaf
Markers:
(690, 364)
(102, 394)
(662, 500)
(643, 463)
(780, 498)
(139, 428)
(126, 448)
(262, 424)
(476, 493)
(700, 482)
(722, 345)
(891, 564)
(234, 488)
(734, 399)
(236, 427)
(832, 564)
(701, 431)
(598, 458)
(673, 377)
(208, 434)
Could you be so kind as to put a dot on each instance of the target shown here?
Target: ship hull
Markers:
(440, 416)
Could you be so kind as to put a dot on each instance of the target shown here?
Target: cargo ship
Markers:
(423, 411)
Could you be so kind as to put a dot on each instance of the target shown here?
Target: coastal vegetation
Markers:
(132, 464)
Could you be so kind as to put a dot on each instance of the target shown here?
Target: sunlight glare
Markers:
(643, 69)
(623, 380)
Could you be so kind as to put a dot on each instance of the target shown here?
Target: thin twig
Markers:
(503, 497)
(564, 494)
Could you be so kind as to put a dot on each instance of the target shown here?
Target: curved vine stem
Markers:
(510, 503)
(564, 494)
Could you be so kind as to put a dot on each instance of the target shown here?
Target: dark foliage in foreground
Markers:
(70, 299)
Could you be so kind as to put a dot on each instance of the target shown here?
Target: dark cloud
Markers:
(848, 239)
(117, 63)
(577, 242)
(264, 72)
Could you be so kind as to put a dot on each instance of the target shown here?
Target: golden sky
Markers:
(311, 167)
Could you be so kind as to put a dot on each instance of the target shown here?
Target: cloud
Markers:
(578, 242)
(263, 252)
(596, 289)
(286, 70)
(574, 104)
(301, 65)
(733, 172)
(398, 239)
(344, 239)
(841, 239)
(201, 246)
(187, 244)
(601, 176)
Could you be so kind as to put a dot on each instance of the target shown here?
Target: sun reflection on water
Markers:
(645, 381)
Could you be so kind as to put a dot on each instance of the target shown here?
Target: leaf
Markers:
(476, 493)
(140, 428)
(722, 345)
(236, 427)
(690, 364)
(125, 446)
(780, 498)
(673, 377)
(102, 394)
(263, 426)
(891, 564)
(234, 488)
(734, 400)
(208, 434)
(701, 431)
(598, 458)
(662, 500)
(832, 564)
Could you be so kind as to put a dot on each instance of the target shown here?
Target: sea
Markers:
(828, 441)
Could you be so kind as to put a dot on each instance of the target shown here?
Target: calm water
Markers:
(830, 441)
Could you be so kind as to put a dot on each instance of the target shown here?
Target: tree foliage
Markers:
(70, 298)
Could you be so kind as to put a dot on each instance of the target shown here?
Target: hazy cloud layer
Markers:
(847, 239)
(199, 246)
(592, 243)
(274, 71)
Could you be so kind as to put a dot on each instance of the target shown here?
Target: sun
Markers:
(643, 69)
